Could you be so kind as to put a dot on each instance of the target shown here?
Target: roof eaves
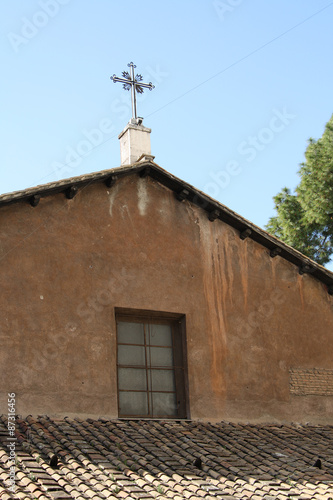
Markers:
(275, 246)
(61, 186)
(183, 190)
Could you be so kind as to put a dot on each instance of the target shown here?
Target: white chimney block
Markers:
(134, 142)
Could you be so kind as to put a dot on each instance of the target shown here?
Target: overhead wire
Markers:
(176, 99)
(192, 89)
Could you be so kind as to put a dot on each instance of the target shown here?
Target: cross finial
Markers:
(133, 83)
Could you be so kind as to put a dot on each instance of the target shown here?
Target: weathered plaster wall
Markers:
(66, 265)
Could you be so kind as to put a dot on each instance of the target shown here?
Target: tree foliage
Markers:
(304, 219)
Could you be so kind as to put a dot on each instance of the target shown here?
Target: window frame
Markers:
(178, 327)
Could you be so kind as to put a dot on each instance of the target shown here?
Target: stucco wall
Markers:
(67, 264)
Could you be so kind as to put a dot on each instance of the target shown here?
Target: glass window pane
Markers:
(162, 380)
(133, 403)
(160, 335)
(164, 404)
(131, 355)
(146, 373)
(130, 333)
(161, 356)
(132, 379)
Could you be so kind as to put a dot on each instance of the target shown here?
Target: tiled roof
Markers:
(147, 459)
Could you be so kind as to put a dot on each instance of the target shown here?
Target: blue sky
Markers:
(240, 86)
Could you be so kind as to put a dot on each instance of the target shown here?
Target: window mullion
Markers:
(146, 365)
(161, 364)
(150, 373)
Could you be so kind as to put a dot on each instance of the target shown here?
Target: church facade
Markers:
(130, 294)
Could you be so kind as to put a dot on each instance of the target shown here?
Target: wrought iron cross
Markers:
(133, 83)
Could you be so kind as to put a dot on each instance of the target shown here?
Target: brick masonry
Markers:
(311, 382)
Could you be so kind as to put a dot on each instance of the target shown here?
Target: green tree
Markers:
(304, 219)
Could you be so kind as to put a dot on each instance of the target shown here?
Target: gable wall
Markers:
(67, 264)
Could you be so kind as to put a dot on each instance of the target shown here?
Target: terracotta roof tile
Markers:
(155, 460)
